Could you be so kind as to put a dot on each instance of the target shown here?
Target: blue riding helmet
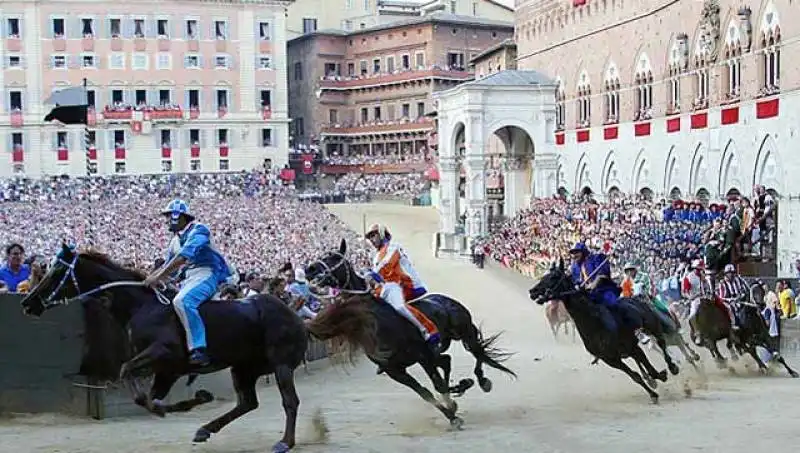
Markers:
(579, 247)
(175, 209)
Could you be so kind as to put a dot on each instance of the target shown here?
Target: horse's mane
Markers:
(103, 259)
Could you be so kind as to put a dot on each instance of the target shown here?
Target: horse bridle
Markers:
(69, 275)
(328, 270)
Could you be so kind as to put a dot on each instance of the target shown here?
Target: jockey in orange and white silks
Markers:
(397, 280)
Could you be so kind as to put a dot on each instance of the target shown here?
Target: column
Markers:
(513, 178)
(545, 175)
(448, 187)
(476, 174)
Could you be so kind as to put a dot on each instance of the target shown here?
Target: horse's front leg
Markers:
(130, 373)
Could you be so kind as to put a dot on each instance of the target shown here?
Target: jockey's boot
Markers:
(641, 336)
(199, 359)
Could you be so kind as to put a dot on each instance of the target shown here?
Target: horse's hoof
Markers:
(696, 357)
(203, 396)
(794, 374)
(673, 369)
(654, 399)
(486, 385)
(662, 376)
(457, 423)
(201, 436)
(280, 447)
(158, 409)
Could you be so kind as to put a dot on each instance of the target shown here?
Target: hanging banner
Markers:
(308, 163)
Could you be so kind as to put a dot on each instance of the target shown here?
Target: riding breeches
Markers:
(694, 307)
(392, 293)
(199, 286)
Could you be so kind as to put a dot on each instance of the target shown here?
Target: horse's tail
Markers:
(484, 349)
(351, 320)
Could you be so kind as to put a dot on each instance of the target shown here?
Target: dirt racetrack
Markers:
(560, 403)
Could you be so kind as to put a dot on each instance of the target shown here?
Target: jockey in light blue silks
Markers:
(204, 269)
(592, 272)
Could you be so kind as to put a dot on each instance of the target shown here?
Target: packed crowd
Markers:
(257, 223)
(335, 159)
(655, 236)
(405, 186)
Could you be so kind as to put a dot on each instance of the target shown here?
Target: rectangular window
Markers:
(351, 69)
(139, 61)
(366, 5)
(141, 97)
(162, 28)
(117, 97)
(421, 60)
(164, 97)
(191, 61)
(377, 113)
(364, 115)
(455, 60)
(115, 27)
(194, 165)
(88, 61)
(222, 98)
(266, 98)
(191, 29)
(87, 27)
(12, 27)
(348, 25)
(333, 116)
(300, 130)
(59, 61)
(265, 62)
(166, 138)
(420, 109)
(390, 64)
(348, 4)
(14, 61)
(363, 67)
(164, 61)
(406, 110)
(119, 139)
(221, 61)
(194, 137)
(194, 98)
(119, 168)
(58, 27)
(116, 60)
(376, 66)
(15, 100)
(166, 166)
(406, 60)
(138, 28)
(221, 29)
(309, 25)
(224, 165)
(264, 31)
(266, 137)
(298, 71)
(91, 98)
(61, 139)
(222, 137)
(16, 139)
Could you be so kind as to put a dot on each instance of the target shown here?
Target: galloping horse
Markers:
(253, 337)
(557, 317)
(713, 325)
(364, 321)
(610, 346)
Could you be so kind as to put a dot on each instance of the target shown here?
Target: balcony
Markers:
(369, 81)
(17, 118)
(60, 43)
(162, 113)
(166, 151)
(116, 44)
(87, 43)
(91, 117)
(18, 154)
(163, 44)
(222, 111)
(119, 151)
(123, 113)
(266, 112)
(139, 44)
(92, 152)
(118, 113)
(62, 154)
(195, 151)
(192, 44)
(194, 112)
(387, 127)
(224, 151)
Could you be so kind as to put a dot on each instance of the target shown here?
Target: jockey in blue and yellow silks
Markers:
(204, 269)
(592, 271)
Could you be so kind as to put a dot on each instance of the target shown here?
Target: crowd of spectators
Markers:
(658, 237)
(257, 223)
(401, 186)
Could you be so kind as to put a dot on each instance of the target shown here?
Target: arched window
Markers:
(770, 54)
(643, 89)
(584, 101)
(733, 63)
(611, 95)
(702, 80)
(560, 109)
(676, 65)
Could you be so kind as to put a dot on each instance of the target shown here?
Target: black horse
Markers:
(254, 337)
(607, 345)
(364, 321)
(713, 324)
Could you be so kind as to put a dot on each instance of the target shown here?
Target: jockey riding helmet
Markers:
(730, 269)
(379, 231)
(176, 209)
(630, 267)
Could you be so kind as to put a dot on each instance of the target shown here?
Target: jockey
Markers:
(592, 272)
(301, 292)
(640, 282)
(693, 288)
(398, 281)
(204, 269)
(731, 290)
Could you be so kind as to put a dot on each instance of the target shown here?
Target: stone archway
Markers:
(510, 152)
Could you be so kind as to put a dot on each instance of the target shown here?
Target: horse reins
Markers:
(328, 272)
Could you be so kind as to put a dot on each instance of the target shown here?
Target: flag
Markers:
(71, 106)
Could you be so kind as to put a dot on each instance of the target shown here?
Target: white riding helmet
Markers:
(381, 230)
(730, 268)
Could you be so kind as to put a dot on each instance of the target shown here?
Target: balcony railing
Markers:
(119, 151)
(17, 119)
(149, 113)
(346, 82)
(62, 154)
(166, 151)
(195, 151)
(14, 43)
(223, 150)
(17, 154)
(423, 124)
(266, 112)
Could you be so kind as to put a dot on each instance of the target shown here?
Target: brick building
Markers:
(195, 86)
(367, 92)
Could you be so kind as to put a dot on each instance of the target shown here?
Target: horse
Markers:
(671, 332)
(610, 346)
(558, 317)
(253, 337)
(363, 321)
(712, 324)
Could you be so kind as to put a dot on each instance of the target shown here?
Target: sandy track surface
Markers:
(560, 403)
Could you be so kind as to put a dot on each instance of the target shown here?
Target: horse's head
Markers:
(553, 284)
(333, 270)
